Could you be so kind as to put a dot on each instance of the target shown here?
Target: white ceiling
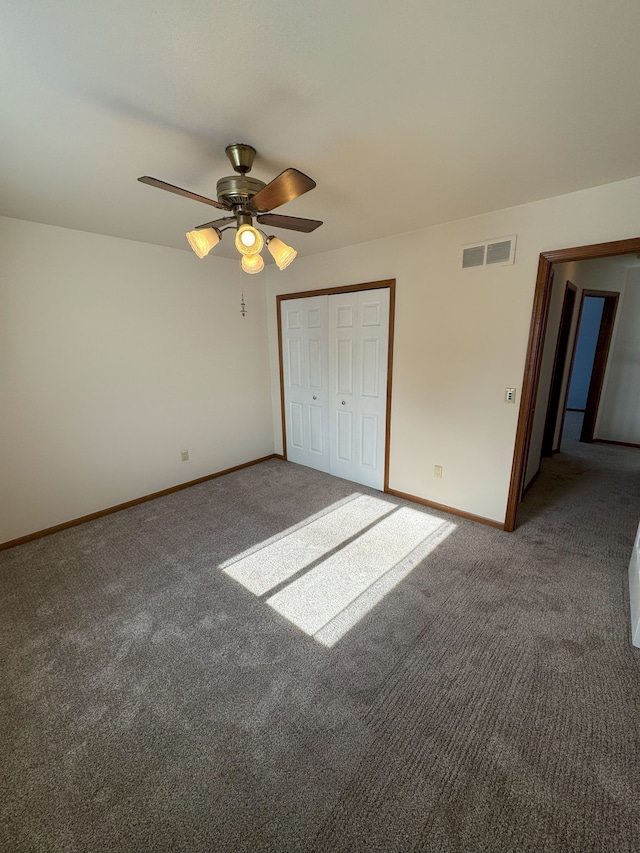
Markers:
(406, 113)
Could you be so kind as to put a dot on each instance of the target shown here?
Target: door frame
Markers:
(557, 375)
(596, 381)
(535, 347)
(390, 284)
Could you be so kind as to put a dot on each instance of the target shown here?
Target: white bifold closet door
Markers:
(335, 354)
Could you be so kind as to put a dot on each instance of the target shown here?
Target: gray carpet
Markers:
(464, 690)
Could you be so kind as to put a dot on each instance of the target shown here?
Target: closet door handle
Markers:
(343, 403)
(314, 397)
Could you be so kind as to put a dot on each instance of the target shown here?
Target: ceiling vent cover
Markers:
(493, 253)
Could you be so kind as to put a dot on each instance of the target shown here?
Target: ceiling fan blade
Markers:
(288, 185)
(163, 185)
(216, 223)
(293, 223)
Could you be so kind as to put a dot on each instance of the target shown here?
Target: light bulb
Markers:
(249, 240)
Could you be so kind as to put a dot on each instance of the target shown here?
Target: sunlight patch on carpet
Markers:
(271, 563)
(330, 599)
(359, 606)
(331, 570)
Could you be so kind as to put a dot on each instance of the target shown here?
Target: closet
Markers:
(334, 351)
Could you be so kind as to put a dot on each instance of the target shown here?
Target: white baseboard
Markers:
(634, 591)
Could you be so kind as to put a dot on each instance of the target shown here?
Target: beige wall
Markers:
(461, 335)
(619, 414)
(114, 357)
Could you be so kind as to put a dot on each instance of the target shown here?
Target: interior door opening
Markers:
(537, 332)
(592, 340)
(603, 306)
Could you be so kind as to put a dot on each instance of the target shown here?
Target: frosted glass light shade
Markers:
(282, 254)
(249, 240)
(203, 241)
(252, 263)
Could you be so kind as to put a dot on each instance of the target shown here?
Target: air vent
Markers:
(473, 256)
(499, 253)
(494, 253)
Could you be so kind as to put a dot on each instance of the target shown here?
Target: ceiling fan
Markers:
(247, 198)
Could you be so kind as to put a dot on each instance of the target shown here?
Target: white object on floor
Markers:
(634, 590)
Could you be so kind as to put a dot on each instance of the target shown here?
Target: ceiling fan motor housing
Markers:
(238, 189)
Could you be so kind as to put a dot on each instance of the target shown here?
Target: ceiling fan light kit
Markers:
(247, 198)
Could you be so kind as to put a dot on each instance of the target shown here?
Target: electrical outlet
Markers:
(437, 471)
(509, 395)
(185, 455)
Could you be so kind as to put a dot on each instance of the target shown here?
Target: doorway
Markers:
(592, 341)
(600, 306)
(537, 331)
(335, 350)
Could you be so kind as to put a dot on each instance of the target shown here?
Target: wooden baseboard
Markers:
(618, 443)
(449, 509)
(101, 513)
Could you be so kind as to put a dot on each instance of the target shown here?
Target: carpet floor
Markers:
(279, 660)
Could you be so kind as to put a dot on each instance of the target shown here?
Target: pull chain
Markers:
(243, 307)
